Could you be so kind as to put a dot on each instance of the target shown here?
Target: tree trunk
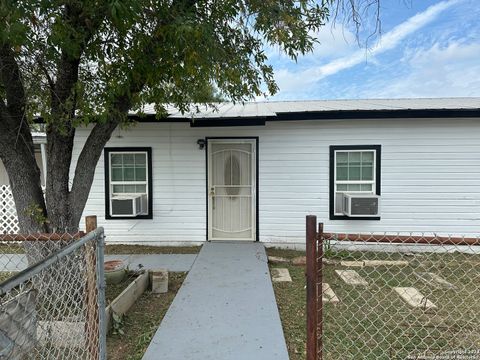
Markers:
(65, 203)
(59, 156)
(86, 165)
(19, 160)
(16, 147)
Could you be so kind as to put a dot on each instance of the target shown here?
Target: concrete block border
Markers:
(123, 302)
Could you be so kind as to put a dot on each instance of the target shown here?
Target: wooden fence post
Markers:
(90, 223)
(92, 330)
(311, 277)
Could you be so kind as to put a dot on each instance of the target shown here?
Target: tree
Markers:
(78, 62)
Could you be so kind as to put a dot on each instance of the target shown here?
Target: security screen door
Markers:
(231, 189)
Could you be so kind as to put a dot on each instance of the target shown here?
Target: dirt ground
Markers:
(373, 322)
(141, 322)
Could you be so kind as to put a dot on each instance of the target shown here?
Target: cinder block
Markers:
(352, 263)
(281, 275)
(278, 260)
(328, 296)
(414, 298)
(159, 281)
(385, 263)
(351, 277)
(299, 261)
(435, 280)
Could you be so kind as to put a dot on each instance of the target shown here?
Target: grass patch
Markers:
(291, 300)
(373, 322)
(291, 305)
(147, 249)
(5, 275)
(11, 248)
(285, 253)
(16, 248)
(141, 322)
(113, 290)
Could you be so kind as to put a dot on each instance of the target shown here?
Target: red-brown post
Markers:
(91, 324)
(311, 275)
(320, 292)
(90, 223)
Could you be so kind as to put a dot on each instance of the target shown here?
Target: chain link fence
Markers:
(374, 296)
(52, 296)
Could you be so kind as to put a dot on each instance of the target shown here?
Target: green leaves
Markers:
(123, 14)
(14, 26)
(117, 324)
(131, 52)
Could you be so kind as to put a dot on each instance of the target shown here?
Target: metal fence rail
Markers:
(55, 308)
(372, 296)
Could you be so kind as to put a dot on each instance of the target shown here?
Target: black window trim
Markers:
(107, 152)
(378, 159)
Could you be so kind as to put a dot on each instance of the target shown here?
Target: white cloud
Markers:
(332, 41)
(291, 81)
(438, 71)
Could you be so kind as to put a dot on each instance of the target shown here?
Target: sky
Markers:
(426, 48)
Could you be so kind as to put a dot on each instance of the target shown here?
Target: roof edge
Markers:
(355, 114)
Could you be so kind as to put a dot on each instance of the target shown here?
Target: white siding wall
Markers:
(3, 175)
(430, 178)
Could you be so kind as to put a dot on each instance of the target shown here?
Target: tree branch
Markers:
(44, 69)
(12, 82)
(3, 109)
(13, 117)
(101, 132)
(83, 29)
(60, 130)
(86, 164)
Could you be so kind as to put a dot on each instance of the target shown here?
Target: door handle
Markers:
(212, 194)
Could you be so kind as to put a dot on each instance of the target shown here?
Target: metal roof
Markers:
(271, 109)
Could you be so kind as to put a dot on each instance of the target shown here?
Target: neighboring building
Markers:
(39, 141)
(8, 215)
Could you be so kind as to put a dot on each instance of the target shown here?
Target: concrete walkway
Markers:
(171, 262)
(225, 310)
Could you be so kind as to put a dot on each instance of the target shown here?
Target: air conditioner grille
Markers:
(360, 205)
(122, 207)
(364, 206)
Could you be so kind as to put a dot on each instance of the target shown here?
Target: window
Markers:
(128, 183)
(353, 170)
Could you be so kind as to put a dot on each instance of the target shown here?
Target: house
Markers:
(8, 215)
(39, 142)
(252, 172)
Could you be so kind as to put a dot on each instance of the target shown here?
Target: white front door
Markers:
(232, 189)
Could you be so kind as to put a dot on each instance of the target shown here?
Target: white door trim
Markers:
(254, 187)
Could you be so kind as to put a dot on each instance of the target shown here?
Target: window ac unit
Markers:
(129, 205)
(361, 205)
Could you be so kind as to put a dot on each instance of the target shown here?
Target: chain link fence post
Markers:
(53, 308)
(101, 297)
(319, 294)
(393, 296)
(312, 294)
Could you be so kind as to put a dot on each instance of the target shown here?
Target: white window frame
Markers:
(112, 183)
